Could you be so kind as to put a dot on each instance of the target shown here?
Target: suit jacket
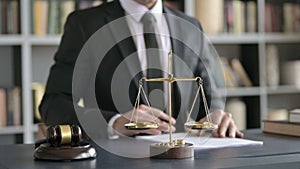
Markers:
(57, 105)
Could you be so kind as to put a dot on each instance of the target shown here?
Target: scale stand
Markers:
(174, 148)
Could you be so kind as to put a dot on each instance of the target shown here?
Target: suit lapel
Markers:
(123, 39)
(182, 91)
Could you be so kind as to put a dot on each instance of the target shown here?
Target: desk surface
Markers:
(277, 152)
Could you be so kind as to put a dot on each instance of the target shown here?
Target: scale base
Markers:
(168, 151)
(47, 152)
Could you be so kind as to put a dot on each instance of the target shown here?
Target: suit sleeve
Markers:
(209, 58)
(57, 104)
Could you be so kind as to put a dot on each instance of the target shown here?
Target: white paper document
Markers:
(202, 142)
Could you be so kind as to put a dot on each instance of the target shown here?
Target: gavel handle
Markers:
(39, 142)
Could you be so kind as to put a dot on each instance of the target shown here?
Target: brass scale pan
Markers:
(154, 125)
(141, 125)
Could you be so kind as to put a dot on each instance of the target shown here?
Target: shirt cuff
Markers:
(111, 132)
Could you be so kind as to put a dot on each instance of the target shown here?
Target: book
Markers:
(1, 21)
(66, 7)
(288, 17)
(3, 108)
(3, 15)
(238, 16)
(210, 14)
(272, 65)
(273, 15)
(296, 20)
(14, 106)
(242, 74)
(251, 15)
(10, 106)
(290, 73)
(294, 116)
(238, 110)
(268, 17)
(277, 115)
(13, 17)
(53, 18)
(281, 127)
(38, 91)
(282, 17)
(40, 17)
(230, 79)
(228, 24)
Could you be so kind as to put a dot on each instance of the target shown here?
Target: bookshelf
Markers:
(261, 95)
(36, 53)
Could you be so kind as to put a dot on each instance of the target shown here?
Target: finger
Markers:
(239, 134)
(232, 130)
(215, 133)
(143, 107)
(165, 127)
(226, 119)
(201, 133)
(217, 116)
(151, 131)
(203, 119)
(173, 128)
(143, 115)
(163, 116)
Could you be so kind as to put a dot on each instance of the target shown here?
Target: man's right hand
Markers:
(144, 114)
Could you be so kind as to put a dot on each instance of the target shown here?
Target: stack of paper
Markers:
(203, 142)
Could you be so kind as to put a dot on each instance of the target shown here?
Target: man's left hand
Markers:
(226, 125)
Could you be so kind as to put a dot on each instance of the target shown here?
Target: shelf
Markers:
(45, 40)
(37, 54)
(283, 90)
(6, 40)
(254, 38)
(11, 130)
(241, 91)
(282, 37)
(235, 38)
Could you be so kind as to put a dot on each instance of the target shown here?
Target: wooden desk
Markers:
(277, 152)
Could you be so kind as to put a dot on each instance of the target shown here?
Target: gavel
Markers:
(58, 135)
(63, 142)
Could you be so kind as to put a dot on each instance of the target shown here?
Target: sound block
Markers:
(66, 152)
(175, 151)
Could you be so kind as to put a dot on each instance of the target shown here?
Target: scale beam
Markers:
(177, 146)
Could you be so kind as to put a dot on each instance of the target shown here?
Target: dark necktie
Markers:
(152, 52)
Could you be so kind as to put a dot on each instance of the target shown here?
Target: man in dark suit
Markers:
(57, 105)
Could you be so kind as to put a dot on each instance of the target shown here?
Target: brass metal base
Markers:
(168, 151)
(47, 152)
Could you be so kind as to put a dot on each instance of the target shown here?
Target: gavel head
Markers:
(58, 135)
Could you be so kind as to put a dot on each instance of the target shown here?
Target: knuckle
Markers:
(220, 112)
(228, 115)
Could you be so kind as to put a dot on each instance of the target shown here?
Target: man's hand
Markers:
(226, 125)
(143, 114)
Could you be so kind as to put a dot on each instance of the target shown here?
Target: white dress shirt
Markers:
(135, 12)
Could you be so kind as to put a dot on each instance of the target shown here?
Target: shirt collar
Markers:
(136, 10)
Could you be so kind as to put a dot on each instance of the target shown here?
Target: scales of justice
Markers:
(173, 148)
